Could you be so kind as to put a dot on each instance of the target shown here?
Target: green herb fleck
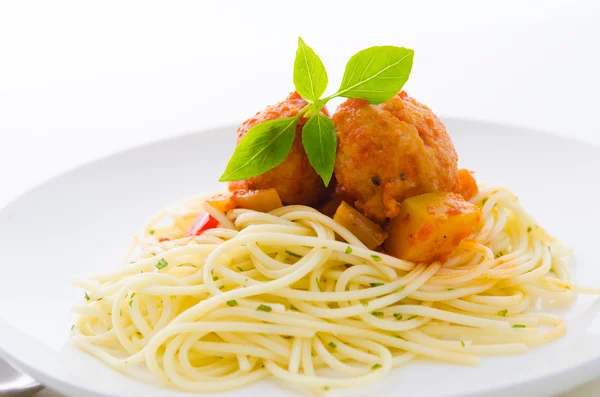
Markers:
(529, 229)
(398, 316)
(401, 337)
(377, 314)
(376, 366)
(348, 250)
(318, 283)
(222, 287)
(264, 308)
(291, 253)
(376, 258)
(503, 313)
(365, 304)
(451, 289)
(240, 269)
(332, 345)
(292, 307)
(215, 278)
(462, 343)
(411, 317)
(376, 284)
(162, 263)
(499, 254)
(100, 299)
(232, 303)
(72, 327)
(152, 232)
(400, 289)
(484, 201)
(86, 296)
(519, 326)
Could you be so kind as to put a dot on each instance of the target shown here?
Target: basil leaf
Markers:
(320, 143)
(310, 76)
(264, 146)
(377, 73)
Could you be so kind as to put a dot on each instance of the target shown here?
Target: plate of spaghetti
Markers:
(345, 251)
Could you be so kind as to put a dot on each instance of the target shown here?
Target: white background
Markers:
(80, 80)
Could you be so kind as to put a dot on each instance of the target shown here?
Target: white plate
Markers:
(82, 222)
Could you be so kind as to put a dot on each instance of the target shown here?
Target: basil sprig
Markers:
(375, 75)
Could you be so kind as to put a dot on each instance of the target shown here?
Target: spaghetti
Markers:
(291, 292)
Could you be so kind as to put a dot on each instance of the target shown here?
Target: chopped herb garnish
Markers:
(152, 232)
(232, 303)
(215, 278)
(222, 287)
(451, 289)
(519, 326)
(86, 296)
(72, 327)
(332, 345)
(404, 339)
(292, 307)
(365, 304)
(377, 314)
(318, 284)
(376, 284)
(100, 299)
(499, 254)
(325, 388)
(376, 258)
(348, 250)
(484, 201)
(503, 313)
(139, 333)
(162, 263)
(264, 308)
(411, 317)
(398, 316)
(529, 229)
(462, 343)
(323, 248)
(240, 269)
(291, 253)
(376, 366)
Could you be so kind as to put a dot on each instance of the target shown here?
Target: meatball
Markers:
(392, 151)
(295, 179)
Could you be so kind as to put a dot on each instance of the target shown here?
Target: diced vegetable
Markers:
(202, 222)
(367, 231)
(467, 186)
(430, 226)
(331, 205)
(264, 200)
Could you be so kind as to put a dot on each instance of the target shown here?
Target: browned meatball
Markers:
(392, 151)
(295, 179)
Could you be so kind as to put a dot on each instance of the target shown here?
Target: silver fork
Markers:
(13, 383)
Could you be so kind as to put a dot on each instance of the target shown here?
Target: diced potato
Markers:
(430, 226)
(331, 205)
(263, 200)
(467, 186)
(367, 231)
